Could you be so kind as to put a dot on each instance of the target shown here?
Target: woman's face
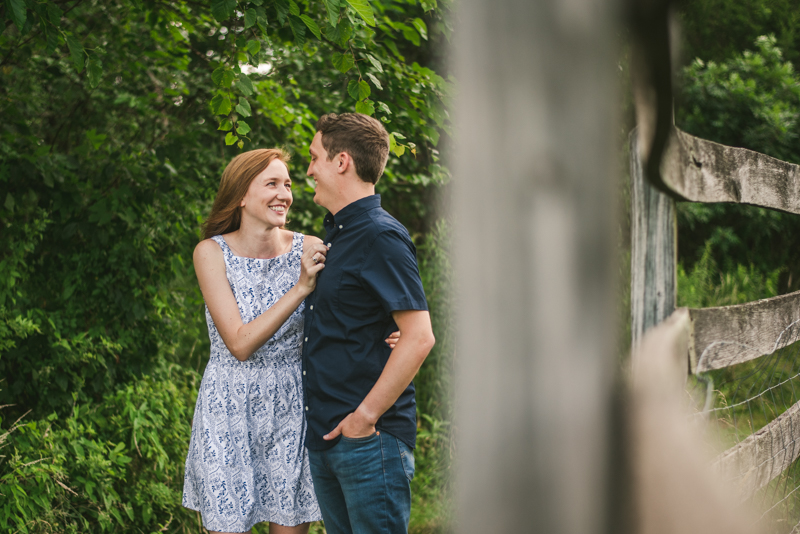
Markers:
(269, 196)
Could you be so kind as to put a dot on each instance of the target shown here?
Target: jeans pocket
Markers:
(407, 459)
(360, 440)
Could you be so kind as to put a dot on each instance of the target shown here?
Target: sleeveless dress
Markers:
(247, 462)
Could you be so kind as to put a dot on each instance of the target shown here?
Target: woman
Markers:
(246, 461)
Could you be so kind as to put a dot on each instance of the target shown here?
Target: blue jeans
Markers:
(363, 484)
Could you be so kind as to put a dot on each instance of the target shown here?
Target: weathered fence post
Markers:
(654, 253)
(534, 255)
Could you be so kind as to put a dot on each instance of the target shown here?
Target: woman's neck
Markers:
(262, 243)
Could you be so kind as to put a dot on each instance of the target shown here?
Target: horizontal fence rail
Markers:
(729, 335)
(756, 461)
(703, 171)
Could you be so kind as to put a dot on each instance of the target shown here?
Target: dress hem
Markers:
(279, 522)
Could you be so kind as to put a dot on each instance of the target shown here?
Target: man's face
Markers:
(323, 172)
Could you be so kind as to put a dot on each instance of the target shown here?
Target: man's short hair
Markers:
(362, 137)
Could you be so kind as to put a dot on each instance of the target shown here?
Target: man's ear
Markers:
(345, 161)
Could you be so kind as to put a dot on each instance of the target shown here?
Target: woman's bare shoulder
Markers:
(207, 249)
(310, 240)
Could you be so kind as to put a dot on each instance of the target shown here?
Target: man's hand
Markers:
(355, 425)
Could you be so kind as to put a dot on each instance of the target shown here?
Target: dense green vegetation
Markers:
(741, 87)
(118, 117)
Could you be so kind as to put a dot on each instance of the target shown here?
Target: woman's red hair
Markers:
(226, 214)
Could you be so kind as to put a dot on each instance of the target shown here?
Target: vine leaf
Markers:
(76, 51)
(242, 128)
(94, 69)
(298, 29)
(243, 108)
(332, 6)
(375, 62)
(250, 17)
(311, 26)
(220, 105)
(230, 138)
(375, 81)
(363, 8)
(222, 9)
(366, 107)
(245, 85)
(18, 12)
(225, 125)
(342, 62)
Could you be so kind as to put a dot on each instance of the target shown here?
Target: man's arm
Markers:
(415, 342)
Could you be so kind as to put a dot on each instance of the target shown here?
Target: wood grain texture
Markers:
(535, 250)
(728, 335)
(675, 489)
(703, 171)
(753, 463)
(653, 249)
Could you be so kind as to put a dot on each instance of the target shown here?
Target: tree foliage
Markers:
(749, 100)
(117, 119)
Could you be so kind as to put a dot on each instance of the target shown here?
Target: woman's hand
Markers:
(311, 263)
(392, 339)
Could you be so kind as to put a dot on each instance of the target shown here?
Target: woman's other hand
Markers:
(392, 339)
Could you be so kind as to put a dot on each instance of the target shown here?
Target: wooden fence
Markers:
(691, 341)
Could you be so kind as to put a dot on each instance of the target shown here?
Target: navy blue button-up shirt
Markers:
(370, 271)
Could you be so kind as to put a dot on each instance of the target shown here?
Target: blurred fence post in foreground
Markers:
(534, 253)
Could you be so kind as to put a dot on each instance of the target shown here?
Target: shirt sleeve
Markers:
(390, 273)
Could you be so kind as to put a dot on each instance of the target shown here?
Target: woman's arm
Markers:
(244, 339)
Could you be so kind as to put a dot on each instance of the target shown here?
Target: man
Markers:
(358, 396)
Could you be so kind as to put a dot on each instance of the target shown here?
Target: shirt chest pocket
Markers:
(354, 300)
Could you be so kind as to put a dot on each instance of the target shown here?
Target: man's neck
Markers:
(351, 194)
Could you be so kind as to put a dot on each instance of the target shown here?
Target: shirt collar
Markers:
(351, 211)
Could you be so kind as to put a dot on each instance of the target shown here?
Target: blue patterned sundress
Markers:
(246, 462)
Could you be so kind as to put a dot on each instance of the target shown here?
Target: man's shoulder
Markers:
(383, 224)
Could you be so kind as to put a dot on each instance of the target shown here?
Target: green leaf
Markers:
(76, 51)
(250, 17)
(243, 108)
(298, 29)
(375, 81)
(282, 7)
(245, 85)
(227, 79)
(242, 128)
(94, 69)
(375, 62)
(54, 13)
(366, 107)
(428, 5)
(257, 2)
(411, 34)
(392, 142)
(363, 90)
(16, 8)
(240, 144)
(383, 107)
(262, 25)
(225, 125)
(311, 26)
(363, 8)
(253, 47)
(217, 74)
(333, 7)
(220, 105)
(399, 150)
(342, 62)
(222, 9)
(419, 24)
(293, 8)
(352, 89)
(230, 138)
